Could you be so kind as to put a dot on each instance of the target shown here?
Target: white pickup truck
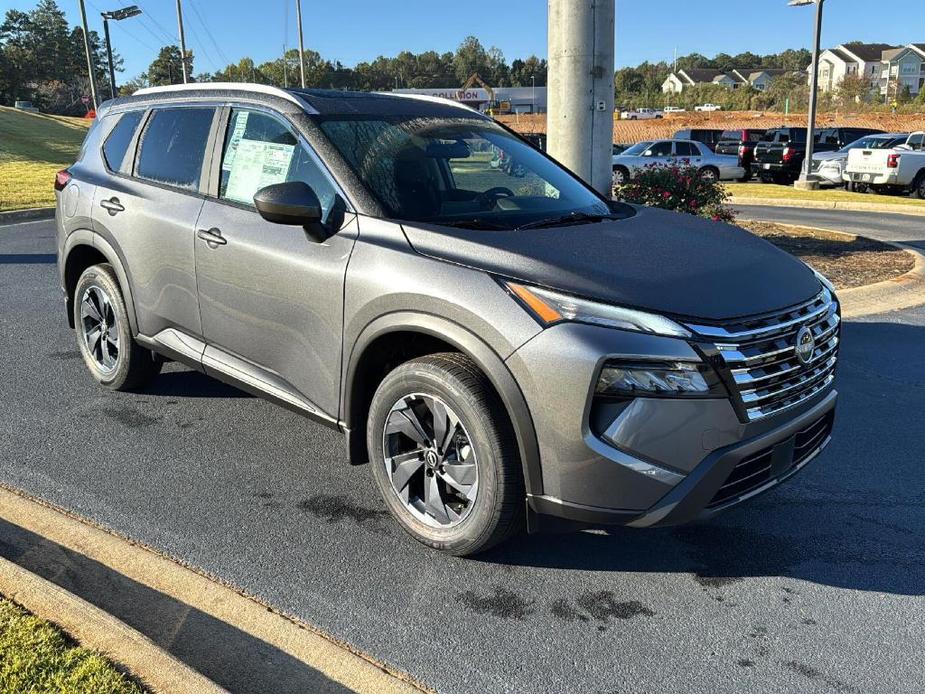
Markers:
(901, 167)
(640, 114)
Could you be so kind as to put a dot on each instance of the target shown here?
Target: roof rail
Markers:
(432, 99)
(226, 86)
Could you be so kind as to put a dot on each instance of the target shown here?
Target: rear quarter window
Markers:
(120, 137)
(173, 146)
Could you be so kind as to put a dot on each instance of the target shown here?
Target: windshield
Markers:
(874, 143)
(459, 171)
(638, 148)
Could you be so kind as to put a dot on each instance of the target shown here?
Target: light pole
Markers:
(115, 15)
(298, 12)
(83, 18)
(806, 181)
(533, 83)
(182, 41)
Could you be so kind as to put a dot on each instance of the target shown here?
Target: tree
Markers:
(167, 69)
(852, 90)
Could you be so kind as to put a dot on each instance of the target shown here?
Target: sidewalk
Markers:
(229, 638)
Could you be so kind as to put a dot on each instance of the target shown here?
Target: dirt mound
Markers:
(625, 131)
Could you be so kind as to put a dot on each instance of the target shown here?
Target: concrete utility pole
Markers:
(580, 88)
(83, 18)
(182, 42)
(298, 12)
(806, 181)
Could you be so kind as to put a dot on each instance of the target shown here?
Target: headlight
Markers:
(551, 307)
(825, 283)
(658, 379)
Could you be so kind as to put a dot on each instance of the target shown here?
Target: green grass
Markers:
(36, 657)
(768, 190)
(32, 148)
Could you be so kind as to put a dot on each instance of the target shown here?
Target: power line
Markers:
(171, 36)
(218, 48)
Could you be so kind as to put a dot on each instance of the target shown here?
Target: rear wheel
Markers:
(918, 187)
(104, 334)
(444, 456)
(709, 173)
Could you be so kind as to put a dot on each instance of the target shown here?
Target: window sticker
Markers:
(240, 125)
(257, 164)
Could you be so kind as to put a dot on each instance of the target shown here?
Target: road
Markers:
(816, 586)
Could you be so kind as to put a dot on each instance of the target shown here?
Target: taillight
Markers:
(741, 150)
(788, 154)
(62, 178)
(892, 161)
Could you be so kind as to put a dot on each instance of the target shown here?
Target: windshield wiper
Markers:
(480, 224)
(571, 218)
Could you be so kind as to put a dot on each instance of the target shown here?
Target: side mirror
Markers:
(292, 202)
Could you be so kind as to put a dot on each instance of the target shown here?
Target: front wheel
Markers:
(620, 175)
(104, 334)
(444, 456)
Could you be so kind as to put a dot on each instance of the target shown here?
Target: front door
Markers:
(269, 296)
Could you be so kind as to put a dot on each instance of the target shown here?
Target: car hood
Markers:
(672, 263)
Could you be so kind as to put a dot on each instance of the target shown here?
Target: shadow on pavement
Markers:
(223, 653)
(188, 383)
(28, 258)
(854, 518)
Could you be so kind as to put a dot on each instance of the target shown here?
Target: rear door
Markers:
(148, 208)
(271, 298)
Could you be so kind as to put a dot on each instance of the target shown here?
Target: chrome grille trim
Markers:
(760, 359)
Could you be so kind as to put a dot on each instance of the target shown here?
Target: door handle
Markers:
(212, 236)
(112, 206)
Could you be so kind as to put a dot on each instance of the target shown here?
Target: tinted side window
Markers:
(755, 135)
(659, 149)
(119, 139)
(731, 136)
(173, 145)
(261, 150)
(686, 149)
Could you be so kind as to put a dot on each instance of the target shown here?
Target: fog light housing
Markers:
(658, 379)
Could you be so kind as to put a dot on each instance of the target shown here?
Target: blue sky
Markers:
(355, 30)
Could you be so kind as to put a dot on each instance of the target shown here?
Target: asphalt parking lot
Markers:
(816, 586)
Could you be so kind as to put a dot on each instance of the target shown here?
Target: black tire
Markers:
(918, 186)
(620, 171)
(765, 177)
(709, 173)
(132, 366)
(497, 511)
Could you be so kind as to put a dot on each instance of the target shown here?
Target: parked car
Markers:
(25, 106)
(708, 107)
(708, 136)
(779, 156)
(711, 166)
(641, 114)
(619, 149)
(901, 168)
(497, 355)
(829, 167)
(674, 109)
(740, 143)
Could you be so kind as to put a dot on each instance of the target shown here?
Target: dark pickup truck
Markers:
(779, 156)
(740, 143)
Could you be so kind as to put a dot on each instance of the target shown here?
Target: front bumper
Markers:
(660, 461)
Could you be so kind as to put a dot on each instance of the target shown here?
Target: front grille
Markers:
(759, 356)
(758, 469)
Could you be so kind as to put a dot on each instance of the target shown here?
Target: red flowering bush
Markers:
(677, 187)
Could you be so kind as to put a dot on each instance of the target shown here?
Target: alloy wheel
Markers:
(430, 460)
(708, 175)
(99, 328)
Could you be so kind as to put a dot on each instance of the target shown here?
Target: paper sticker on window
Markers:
(257, 164)
(240, 125)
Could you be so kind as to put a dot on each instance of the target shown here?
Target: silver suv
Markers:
(505, 346)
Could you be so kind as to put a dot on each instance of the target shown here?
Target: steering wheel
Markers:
(486, 199)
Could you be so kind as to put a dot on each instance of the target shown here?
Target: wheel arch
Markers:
(82, 249)
(361, 377)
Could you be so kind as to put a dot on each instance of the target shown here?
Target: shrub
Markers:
(677, 187)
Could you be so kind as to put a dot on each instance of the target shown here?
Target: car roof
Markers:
(318, 102)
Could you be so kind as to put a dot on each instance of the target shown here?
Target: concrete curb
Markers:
(337, 661)
(915, 210)
(26, 215)
(99, 631)
(894, 294)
